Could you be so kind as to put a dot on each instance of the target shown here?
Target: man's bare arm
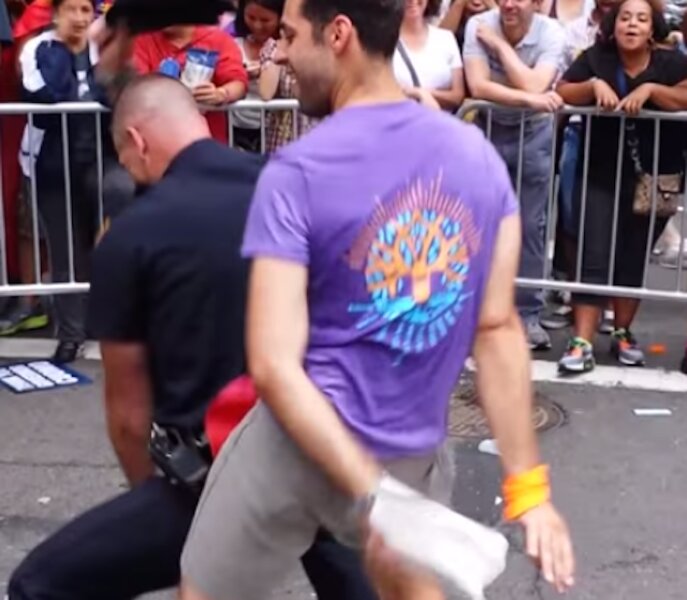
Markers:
(482, 88)
(503, 363)
(129, 407)
(536, 80)
(503, 378)
(277, 334)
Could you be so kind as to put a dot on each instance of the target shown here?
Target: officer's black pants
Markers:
(131, 545)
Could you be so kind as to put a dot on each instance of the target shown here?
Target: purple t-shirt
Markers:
(394, 209)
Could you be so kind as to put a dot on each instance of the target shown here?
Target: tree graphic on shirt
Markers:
(415, 253)
(416, 245)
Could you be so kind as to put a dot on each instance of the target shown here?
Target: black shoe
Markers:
(67, 352)
(683, 365)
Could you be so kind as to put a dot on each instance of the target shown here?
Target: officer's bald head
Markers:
(154, 119)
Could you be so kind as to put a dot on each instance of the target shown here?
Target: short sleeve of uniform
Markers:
(580, 70)
(553, 44)
(673, 67)
(472, 48)
(278, 222)
(230, 62)
(115, 305)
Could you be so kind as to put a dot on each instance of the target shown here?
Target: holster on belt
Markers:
(182, 456)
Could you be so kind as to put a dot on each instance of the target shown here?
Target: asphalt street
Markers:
(620, 479)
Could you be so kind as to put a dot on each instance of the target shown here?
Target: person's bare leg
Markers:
(27, 273)
(395, 581)
(625, 312)
(586, 321)
(412, 588)
(188, 592)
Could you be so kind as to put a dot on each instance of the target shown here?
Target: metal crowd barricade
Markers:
(658, 288)
(64, 110)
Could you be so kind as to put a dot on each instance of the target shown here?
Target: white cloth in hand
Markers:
(459, 550)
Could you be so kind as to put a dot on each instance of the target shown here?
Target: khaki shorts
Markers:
(262, 505)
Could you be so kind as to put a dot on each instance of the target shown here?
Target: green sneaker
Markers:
(578, 358)
(23, 319)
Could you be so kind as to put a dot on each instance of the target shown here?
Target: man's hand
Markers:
(635, 101)
(548, 544)
(115, 48)
(546, 102)
(606, 98)
(489, 37)
(209, 93)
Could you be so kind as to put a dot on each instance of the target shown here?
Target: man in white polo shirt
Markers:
(512, 56)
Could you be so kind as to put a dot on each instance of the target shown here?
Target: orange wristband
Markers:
(525, 491)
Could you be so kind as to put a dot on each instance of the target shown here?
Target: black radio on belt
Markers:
(184, 458)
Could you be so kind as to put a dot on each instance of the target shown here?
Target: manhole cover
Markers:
(467, 420)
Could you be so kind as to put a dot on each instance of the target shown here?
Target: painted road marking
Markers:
(652, 412)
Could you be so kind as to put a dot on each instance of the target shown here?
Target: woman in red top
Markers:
(229, 81)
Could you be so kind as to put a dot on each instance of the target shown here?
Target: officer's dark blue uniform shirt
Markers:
(168, 274)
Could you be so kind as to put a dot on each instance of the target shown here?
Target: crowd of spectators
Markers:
(524, 55)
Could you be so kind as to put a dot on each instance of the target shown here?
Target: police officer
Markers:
(167, 305)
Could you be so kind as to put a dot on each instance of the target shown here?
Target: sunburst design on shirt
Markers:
(415, 253)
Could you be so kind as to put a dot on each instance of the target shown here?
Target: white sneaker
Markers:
(460, 551)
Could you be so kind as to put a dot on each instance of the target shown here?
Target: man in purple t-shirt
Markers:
(384, 249)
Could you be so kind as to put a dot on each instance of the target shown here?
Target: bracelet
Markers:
(525, 491)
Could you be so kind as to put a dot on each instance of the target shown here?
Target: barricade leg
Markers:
(69, 309)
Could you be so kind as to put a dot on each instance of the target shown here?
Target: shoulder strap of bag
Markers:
(630, 131)
(406, 59)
